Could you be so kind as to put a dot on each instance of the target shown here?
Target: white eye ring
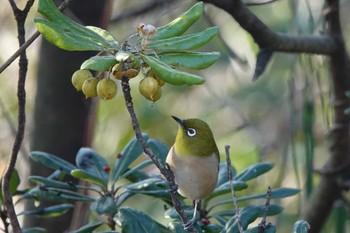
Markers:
(191, 132)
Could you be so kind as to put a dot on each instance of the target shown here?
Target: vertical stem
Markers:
(166, 172)
(20, 16)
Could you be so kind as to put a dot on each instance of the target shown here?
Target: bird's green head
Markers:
(194, 138)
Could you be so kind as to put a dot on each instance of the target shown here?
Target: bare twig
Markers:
(262, 225)
(229, 174)
(20, 16)
(165, 171)
(265, 38)
(27, 43)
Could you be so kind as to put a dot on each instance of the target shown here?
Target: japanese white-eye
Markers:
(194, 159)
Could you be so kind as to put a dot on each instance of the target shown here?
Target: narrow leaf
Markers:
(99, 63)
(104, 205)
(83, 175)
(49, 212)
(52, 161)
(254, 171)
(170, 75)
(56, 195)
(133, 220)
(34, 230)
(93, 164)
(89, 227)
(128, 155)
(105, 35)
(55, 183)
(275, 194)
(194, 60)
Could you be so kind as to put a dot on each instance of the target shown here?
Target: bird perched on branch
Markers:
(194, 159)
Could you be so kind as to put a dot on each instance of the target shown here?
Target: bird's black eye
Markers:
(191, 132)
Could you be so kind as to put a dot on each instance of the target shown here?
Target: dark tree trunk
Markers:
(61, 114)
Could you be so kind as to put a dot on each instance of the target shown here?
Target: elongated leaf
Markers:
(155, 186)
(83, 175)
(179, 25)
(194, 60)
(170, 75)
(52, 161)
(247, 216)
(56, 195)
(137, 168)
(133, 220)
(185, 43)
(63, 32)
(128, 155)
(226, 188)
(159, 149)
(55, 183)
(49, 212)
(34, 230)
(93, 164)
(254, 171)
(123, 197)
(104, 205)
(105, 35)
(223, 176)
(269, 229)
(89, 227)
(99, 63)
(14, 182)
(275, 194)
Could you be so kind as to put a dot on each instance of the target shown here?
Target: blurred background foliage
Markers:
(282, 118)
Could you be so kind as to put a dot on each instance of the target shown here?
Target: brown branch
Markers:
(27, 43)
(165, 171)
(329, 189)
(265, 38)
(20, 16)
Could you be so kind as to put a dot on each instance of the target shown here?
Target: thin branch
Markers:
(30, 40)
(266, 38)
(234, 199)
(20, 16)
(262, 225)
(165, 171)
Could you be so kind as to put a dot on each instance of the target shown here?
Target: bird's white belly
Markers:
(196, 177)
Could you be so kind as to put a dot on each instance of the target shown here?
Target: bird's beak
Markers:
(179, 121)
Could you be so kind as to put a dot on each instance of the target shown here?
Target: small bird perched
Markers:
(194, 159)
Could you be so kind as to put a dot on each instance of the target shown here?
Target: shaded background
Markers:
(282, 118)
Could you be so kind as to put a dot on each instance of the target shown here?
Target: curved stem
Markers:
(166, 172)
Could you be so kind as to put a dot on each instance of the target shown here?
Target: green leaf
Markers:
(133, 220)
(49, 212)
(248, 215)
(155, 186)
(123, 197)
(269, 229)
(179, 25)
(104, 205)
(83, 175)
(159, 149)
(55, 183)
(190, 60)
(226, 188)
(52, 161)
(128, 155)
(137, 168)
(105, 35)
(184, 43)
(99, 63)
(66, 34)
(223, 176)
(275, 194)
(254, 171)
(93, 164)
(301, 226)
(56, 195)
(34, 230)
(170, 75)
(212, 228)
(88, 228)
(14, 182)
